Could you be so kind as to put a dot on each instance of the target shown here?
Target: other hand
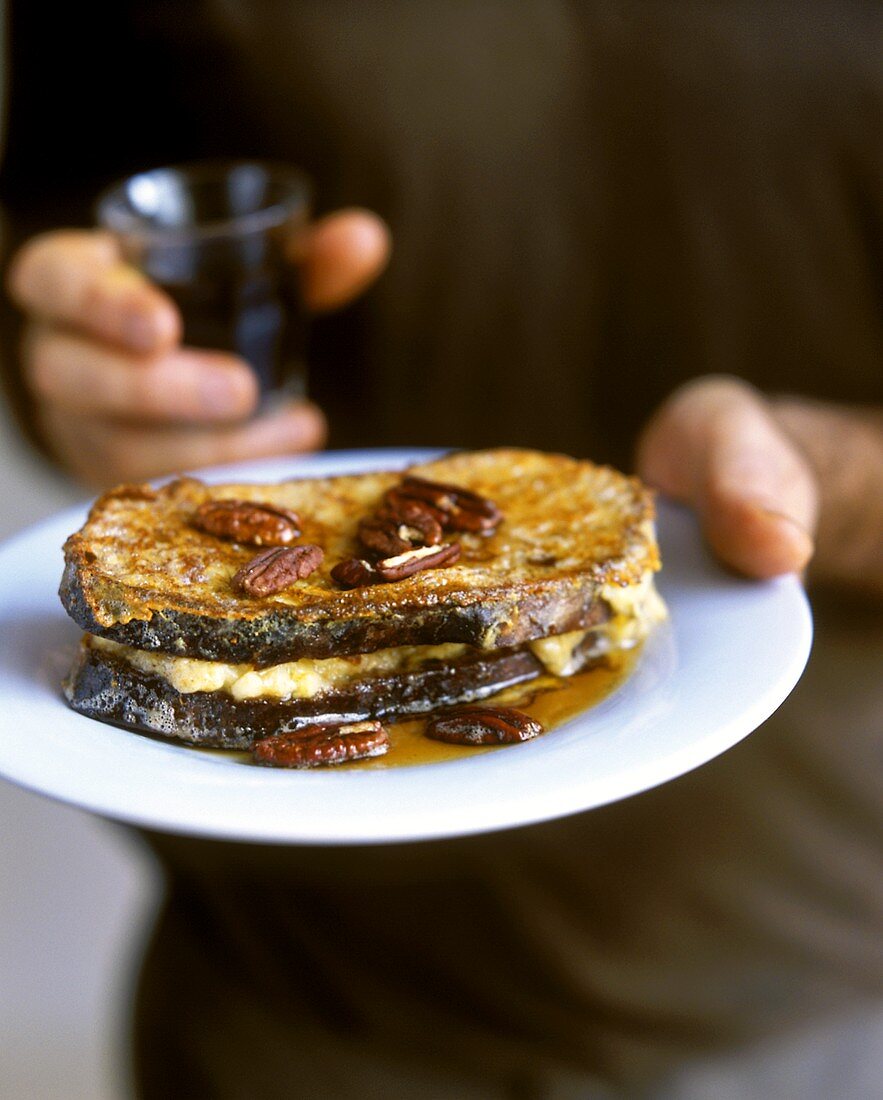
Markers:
(118, 398)
(774, 482)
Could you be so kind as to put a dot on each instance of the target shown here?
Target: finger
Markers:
(103, 453)
(341, 256)
(715, 445)
(184, 384)
(77, 277)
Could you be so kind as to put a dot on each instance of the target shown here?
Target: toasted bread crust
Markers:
(140, 573)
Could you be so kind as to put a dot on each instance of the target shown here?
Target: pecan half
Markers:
(395, 499)
(406, 509)
(276, 569)
(382, 537)
(248, 521)
(483, 726)
(319, 745)
(461, 509)
(416, 516)
(415, 561)
(398, 528)
(355, 573)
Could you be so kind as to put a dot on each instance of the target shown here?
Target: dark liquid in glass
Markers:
(242, 297)
(215, 238)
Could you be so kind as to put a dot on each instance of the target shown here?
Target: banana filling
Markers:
(301, 679)
(635, 610)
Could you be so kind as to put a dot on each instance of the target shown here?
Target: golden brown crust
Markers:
(141, 573)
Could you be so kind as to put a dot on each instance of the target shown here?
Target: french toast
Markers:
(176, 645)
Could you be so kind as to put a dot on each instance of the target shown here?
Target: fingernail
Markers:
(783, 517)
(803, 539)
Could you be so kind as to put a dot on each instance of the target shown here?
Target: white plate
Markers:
(732, 652)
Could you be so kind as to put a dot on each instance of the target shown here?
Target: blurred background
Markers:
(76, 895)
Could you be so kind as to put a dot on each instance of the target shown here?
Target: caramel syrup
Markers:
(552, 700)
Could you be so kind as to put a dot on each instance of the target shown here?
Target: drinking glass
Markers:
(219, 239)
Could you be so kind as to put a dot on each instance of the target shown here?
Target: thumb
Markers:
(340, 256)
(714, 444)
